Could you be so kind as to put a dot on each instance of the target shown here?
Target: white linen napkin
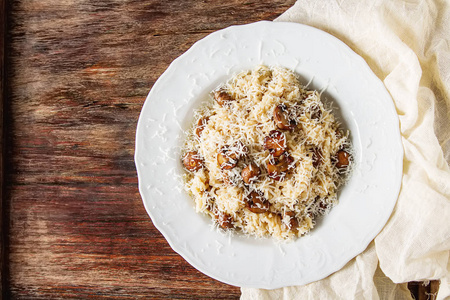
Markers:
(407, 45)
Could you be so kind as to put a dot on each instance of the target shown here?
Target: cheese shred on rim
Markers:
(265, 157)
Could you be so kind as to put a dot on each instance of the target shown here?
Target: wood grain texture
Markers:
(79, 72)
(3, 262)
(424, 291)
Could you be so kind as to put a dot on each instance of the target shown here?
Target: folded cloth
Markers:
(407, 45)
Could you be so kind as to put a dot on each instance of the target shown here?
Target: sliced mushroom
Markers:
(225, 220)
(201, 125)
(192, 161)
(222, 97)
(275, 142)
(250, 173)
(277, 167)
(227, 159)
(343, 159)
(256, 203)
(282, 118)
(293, 221)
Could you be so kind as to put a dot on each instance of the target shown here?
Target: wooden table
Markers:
(76, 76)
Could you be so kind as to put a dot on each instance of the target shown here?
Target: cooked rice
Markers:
(306, 191)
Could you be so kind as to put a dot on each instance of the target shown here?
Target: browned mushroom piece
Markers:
(317, 157)
(277, 167)
(227, 159)
(293, 222)
(256, 203)
(282, 118)
(343, 159)
(315, 112)
(225, 220)
(222, 97)
(192, 161)
(275, 142)
(250, 173)
(201, 125)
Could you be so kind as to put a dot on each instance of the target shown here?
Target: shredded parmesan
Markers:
(240, 126)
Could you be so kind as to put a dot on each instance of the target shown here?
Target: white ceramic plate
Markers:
(365, 107)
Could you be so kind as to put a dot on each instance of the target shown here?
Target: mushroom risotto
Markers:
(265, 157)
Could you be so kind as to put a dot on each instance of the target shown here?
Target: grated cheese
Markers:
(240, 126)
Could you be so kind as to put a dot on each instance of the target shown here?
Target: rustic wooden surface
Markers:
(2, 148)
(78, 72)
(424, 291)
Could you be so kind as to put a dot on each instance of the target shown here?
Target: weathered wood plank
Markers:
(3, 262)
(116, 248)
(79, 74)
